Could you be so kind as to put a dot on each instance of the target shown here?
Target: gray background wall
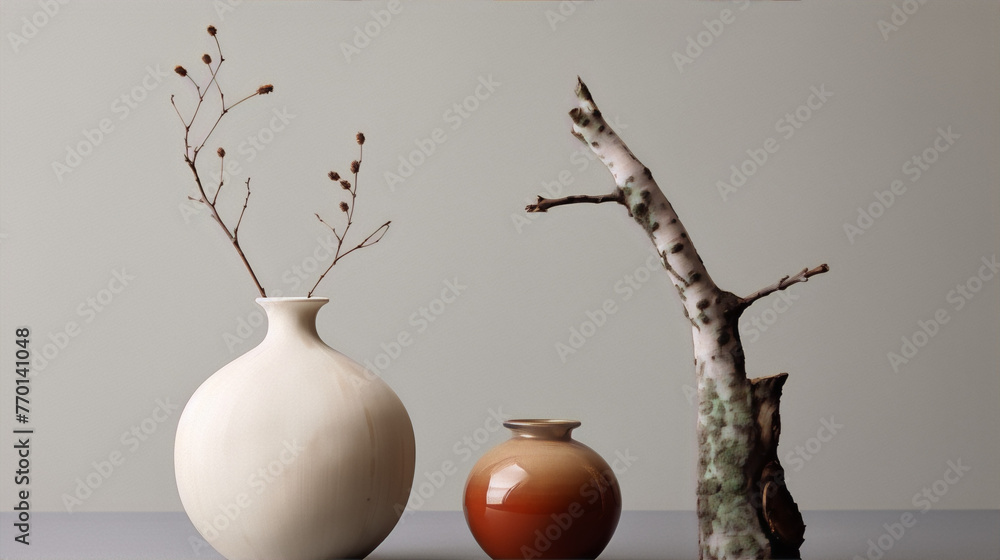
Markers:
(859, 433)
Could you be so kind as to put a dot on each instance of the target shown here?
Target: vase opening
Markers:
(295, 316)
(538, 428)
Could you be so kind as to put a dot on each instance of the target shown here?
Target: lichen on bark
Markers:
(744, 509)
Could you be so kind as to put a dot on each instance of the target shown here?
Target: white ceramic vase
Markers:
(293, 450)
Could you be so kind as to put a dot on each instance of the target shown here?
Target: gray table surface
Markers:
(661, 535)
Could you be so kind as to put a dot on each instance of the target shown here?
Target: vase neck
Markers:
(542, 429)
(291, 316)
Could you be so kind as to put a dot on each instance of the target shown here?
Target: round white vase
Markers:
(293, 450)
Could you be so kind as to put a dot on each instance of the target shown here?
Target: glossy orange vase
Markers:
(541, 494)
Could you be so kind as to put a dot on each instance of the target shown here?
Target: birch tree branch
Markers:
(738, 421)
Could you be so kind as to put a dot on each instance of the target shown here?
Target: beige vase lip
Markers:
(293, 298)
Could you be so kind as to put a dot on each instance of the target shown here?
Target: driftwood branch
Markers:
(744, 509)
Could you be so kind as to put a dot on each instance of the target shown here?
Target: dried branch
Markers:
(191, 151)
(348, 209)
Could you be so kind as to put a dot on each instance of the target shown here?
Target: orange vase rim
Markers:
(539, 428)
(542, 423)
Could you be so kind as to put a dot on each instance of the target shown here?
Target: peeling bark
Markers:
(744, 508)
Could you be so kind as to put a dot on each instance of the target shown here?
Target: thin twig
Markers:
(222, 175)
(201, 98)
(333, 229)
(543, 204)
(380, 231)
(236, 229)
(782, 284)
(178, 111)
(218, 48)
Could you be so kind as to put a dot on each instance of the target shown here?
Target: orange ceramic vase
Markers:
(542, 494)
